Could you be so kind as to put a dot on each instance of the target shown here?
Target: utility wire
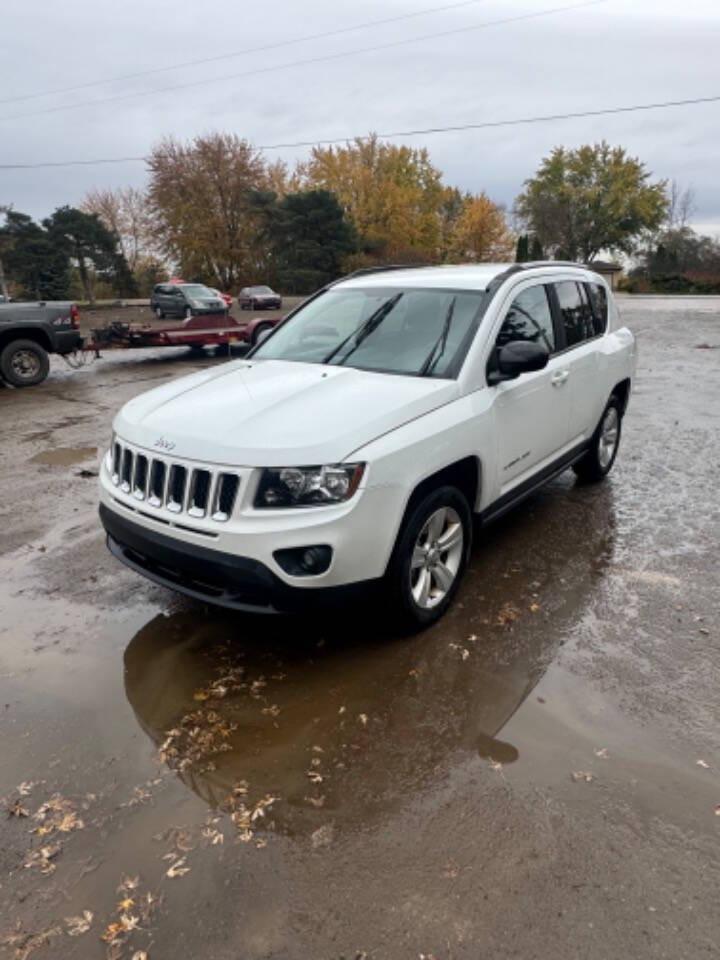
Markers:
(401, 133)
(311, 60)
(242, 53)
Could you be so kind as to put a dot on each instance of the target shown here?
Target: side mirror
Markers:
(516, 357)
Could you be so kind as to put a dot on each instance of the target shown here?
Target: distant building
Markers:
(611, 271)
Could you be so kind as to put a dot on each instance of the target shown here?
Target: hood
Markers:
(277, 413)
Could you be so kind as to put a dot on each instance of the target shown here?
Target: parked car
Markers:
(259, 298)
(184, 300)
(29, 332)
(354, 445)
(225, 297)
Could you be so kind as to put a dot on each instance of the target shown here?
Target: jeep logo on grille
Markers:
(164, 444)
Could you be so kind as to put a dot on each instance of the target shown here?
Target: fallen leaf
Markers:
(534, 607)
(16, 809)
(496, 765)
(508, 614)
(128, 923)
(43, 858)
(201, 695)
(601, 752)
(701, 763)
(464, 653)
(341, 710)
(128, 883)
(273, 710)
(582, 776)
(124, 905)
(177, 869)
(80, 924)
(362, 717)
(71, 821)
(112, 932)
(140, 955)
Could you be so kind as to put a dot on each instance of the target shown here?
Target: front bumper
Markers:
(223, 579)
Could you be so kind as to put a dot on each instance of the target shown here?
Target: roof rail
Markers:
(365, 271)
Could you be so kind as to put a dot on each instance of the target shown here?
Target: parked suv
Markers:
(185, 300)
(353, 446)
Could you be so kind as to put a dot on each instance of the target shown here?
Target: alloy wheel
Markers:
(436, 557)
(608, 440)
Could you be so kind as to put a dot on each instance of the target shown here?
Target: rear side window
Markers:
(529, 318)
(598, 299)
(575, 311)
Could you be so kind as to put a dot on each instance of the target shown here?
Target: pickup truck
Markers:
(29, 332)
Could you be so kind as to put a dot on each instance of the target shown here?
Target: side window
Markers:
(529, 318)
(574, 310)
(598, 299)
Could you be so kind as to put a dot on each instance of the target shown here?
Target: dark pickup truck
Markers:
(29, 332)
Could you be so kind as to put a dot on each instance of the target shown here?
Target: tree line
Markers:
(215, 210)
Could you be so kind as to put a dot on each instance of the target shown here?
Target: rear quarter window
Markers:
(599, 301)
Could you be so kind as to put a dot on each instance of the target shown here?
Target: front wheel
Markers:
(24, 363)
(430, 557)
(598, 461)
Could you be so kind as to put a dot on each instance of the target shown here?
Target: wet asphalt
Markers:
(536, 776)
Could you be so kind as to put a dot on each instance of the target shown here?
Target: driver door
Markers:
(532, 412)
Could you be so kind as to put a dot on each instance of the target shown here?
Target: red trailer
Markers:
(201, 331)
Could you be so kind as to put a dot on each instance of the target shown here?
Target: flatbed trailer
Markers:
(199, 331)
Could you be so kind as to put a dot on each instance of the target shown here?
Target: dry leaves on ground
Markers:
(43, 858)
(78, 925)
(582, 776)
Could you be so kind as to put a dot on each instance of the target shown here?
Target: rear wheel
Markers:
(24, 363)
(600, 457)
(430, 557)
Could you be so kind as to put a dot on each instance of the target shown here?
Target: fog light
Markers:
(304, 561)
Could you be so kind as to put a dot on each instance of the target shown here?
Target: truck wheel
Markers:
(598, 461)
(430, 557)
(23, 363)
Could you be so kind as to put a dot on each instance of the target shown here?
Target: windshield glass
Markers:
(260, 290)
(391, 330)
(198, 290)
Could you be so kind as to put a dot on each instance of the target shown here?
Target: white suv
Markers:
(353, 446)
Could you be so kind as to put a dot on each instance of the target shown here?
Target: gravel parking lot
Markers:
(536, 776)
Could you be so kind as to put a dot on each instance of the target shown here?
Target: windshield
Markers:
(198, 290)
(260, 290)
(417, 332)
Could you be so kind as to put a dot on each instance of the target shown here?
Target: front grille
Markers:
(176, 487)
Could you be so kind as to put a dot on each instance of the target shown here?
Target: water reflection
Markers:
(346, 723)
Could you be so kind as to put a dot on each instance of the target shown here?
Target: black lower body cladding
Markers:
(223, 579)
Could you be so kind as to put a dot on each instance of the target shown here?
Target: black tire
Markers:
(260, 328)
(597, 463)
(159, 313)
(24, 363)
(409, 614)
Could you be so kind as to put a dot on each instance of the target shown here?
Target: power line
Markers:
(246, 52)
(311, 60)
(485, 125)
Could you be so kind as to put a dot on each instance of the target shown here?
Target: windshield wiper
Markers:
(441, 342)
(372, 323)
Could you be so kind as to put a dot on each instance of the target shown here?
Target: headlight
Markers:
(308, 486)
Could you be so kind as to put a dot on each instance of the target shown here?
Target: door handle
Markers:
(559, 378)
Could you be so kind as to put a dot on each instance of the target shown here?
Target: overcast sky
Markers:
(612, 53)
